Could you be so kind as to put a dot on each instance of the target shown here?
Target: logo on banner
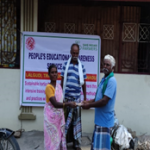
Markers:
(87, 46)
(30, 43)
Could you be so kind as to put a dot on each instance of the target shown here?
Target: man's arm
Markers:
(84, 85)
(100, 103)
(89, 101)
(110, 90)
(62, 81)
(84, 90)
(62, 75)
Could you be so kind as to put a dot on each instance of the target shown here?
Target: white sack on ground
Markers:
(122, 137)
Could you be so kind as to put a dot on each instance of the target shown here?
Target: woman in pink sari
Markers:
(54, 122)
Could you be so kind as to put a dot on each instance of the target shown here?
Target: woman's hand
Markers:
(72, 104)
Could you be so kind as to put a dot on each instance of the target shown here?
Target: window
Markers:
(9, 34)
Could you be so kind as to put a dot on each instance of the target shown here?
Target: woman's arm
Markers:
(61, 105)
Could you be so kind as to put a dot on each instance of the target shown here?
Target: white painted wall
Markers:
(132, 103)
(9, 98)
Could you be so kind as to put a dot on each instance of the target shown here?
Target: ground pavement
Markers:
(33, 140)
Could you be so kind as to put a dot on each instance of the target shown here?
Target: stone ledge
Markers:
(27, 116)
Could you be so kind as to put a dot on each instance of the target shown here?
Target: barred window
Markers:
(9, 35)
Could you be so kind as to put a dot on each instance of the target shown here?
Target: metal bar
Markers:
(28, 14)
(120, 39)
(24, 16)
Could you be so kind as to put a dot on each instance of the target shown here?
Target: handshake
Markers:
(84, 104)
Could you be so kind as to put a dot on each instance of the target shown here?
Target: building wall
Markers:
(132, 103)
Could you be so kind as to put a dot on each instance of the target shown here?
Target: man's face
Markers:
(75, 53)
(107, 68)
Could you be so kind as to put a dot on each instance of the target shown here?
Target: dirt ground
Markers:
(34, 140)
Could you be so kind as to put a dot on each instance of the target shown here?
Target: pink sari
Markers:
(54, 124)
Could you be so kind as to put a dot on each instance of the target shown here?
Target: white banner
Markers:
(40, 50)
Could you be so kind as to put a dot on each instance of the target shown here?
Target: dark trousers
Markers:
(70, 136)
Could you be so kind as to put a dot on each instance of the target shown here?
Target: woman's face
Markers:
(53, 74)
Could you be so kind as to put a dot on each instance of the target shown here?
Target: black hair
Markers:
(75, 44)
(50, 67)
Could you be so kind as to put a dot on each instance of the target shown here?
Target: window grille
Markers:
(108, 32)
(144, 33)
(89, 29)
(69, 28)
(50, 26)
(129, 32)
(8, 33)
